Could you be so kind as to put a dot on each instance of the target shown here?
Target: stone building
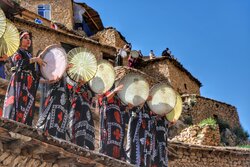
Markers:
(110, 36)
(170, 69)
(68, 13)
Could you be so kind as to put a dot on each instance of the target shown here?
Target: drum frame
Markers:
(44, 53)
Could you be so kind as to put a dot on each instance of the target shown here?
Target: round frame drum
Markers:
(56, 62)
(123, 53)
(135, 89)
(84, 64)
(163, 99)
(134, 54)
(104, 77)
(175, 114)
(3, 23)
(10, 41)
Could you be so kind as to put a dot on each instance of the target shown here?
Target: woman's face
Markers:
(26, 42)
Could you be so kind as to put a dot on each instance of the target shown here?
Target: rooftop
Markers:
(34, 144)
(175, 62)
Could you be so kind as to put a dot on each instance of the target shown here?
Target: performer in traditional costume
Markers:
(160, 133)
(81, 125)
(139, 137)
(54, 119)
(20, 96)
(55, 108)
(112, 124)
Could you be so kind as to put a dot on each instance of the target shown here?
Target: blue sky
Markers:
(211, 38)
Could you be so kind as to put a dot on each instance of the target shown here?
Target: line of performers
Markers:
(67, 114)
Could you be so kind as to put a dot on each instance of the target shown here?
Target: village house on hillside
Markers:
(72, 24)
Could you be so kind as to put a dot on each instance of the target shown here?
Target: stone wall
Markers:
(205, 108)
(158, 70)
(43, 37)
(111, 37)
(187, 155)
(61, 10)
(23, 146)
(166, 70)
(181, 81)
(207, 135)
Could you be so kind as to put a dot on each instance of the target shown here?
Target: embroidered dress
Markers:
(2, 73)
(112, 127)
(54, 119)
(81, 125)
(20, 96)
(160, 157)
(139, 137)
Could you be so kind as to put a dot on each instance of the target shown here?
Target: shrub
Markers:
(188, 120)
(240, 133)
(244, 146)
(209, 121)
(223, 125)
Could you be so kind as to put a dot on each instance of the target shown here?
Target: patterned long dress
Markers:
(81, 125)
(112, 126)
(159, 157)
(19, 101)
(54, 119)
(2, 73)
(139, 137)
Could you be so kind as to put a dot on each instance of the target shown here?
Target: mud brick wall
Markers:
(61, 10)
(205, 108)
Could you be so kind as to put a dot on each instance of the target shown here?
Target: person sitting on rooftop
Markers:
(151, 54)
(166, 53)
(127, 47)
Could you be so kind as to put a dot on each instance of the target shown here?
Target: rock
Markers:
(201, 136)
(176, 129)
(229, 137)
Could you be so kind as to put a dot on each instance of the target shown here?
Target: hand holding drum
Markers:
(55, 58)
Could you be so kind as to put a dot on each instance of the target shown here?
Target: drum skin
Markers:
(104, 77)
(175, 114)
(84, 64)
(134, 54)
(56, 62)
(135, 90)
(10, 41)
(123, 53)
(3, 23)
(163, 99)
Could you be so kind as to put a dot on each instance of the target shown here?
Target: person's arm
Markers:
(112, 93)
(37, 60)
(4, 58)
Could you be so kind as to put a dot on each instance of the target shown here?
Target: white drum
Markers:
(55, 58)
(123, 53)
(134, 54)
(135, 90)
(104, 77)
(163, 99)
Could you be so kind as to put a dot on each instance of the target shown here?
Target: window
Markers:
(185, 85)
(44, 10)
